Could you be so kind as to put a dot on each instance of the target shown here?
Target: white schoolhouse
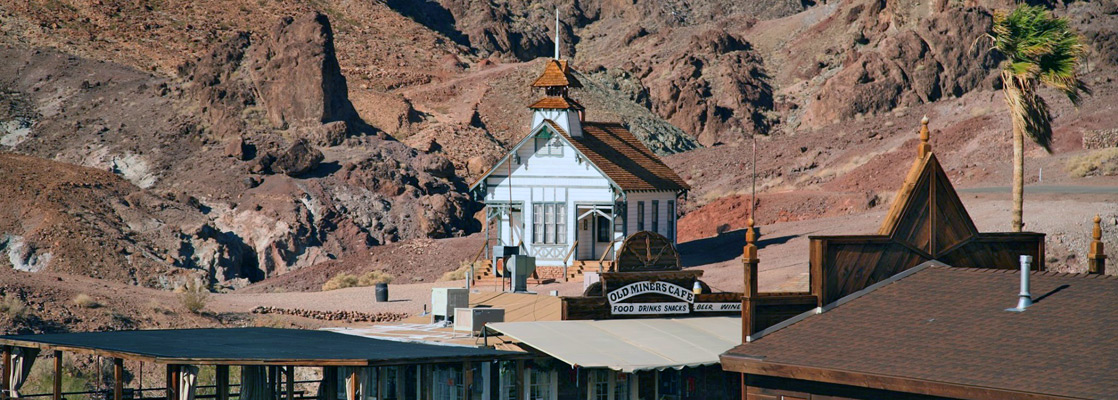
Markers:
(573, 189)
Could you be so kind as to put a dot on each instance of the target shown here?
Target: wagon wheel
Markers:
(647, 251)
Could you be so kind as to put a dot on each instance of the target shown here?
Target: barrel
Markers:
(382, 292)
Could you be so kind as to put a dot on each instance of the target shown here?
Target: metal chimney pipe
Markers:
(1024, 299)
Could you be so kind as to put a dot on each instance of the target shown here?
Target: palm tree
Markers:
(1040, 49)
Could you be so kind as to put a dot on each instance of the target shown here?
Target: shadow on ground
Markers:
(724, 247)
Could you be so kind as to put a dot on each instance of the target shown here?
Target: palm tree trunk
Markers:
(1014, 98)
(1018, 177)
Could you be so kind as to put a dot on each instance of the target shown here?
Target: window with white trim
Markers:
(549, 223)
(447, 383)
(541, 384)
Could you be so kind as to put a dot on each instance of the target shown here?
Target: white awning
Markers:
(629, 345)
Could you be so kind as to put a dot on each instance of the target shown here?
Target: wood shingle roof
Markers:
(623, 158)
(557, 73)
(945, 331)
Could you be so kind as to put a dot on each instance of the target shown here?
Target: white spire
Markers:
(556, 33)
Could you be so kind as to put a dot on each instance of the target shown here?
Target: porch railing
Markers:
(602, 260)
(567, 259)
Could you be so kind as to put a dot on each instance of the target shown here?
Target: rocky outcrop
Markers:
(347, 316)
(715, 90)
(296, 73)
(943, 56)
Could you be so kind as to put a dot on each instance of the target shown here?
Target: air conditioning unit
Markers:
(521, 267)
(445, 300)
(473, 320)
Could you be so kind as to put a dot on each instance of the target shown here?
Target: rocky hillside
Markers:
(239, 140)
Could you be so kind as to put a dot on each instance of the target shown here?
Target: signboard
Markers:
(646, 287)
(717, 307)
(650, 308)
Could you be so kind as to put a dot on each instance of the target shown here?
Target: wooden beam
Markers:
(57, 375)
(291, 382)
(221, 380)
(5, 381)
(118, 379)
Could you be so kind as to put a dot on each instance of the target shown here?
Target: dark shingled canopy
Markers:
(255, 346)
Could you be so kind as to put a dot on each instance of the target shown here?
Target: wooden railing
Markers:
(567, 258)
(601, 261)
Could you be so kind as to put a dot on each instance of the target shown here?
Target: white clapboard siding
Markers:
(662, 210)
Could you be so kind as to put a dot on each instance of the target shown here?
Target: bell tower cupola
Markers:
(556, 81)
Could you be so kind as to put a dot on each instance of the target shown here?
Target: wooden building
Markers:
(264, 361)
(924, 310)
(571, 190)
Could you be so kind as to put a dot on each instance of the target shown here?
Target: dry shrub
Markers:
(86, 301)
(14, 308)
(460, 273)
(1099, 162)
(344, 280)
(194, 297)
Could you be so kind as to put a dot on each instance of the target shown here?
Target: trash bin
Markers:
(382, 292)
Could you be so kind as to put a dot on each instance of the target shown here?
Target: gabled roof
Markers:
(623, 158)
(927, 221)
(944, 331)
(557, 102)
(616, 153)
(557, 73)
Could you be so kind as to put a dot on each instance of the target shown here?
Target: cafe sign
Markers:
(687, 305)
(646, 287)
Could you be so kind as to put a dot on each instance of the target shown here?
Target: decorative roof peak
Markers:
(924, 148)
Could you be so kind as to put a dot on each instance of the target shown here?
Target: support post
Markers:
(521, 391)
(290, 382)
(749, 262)
(57, 375)
(118, 379)
(7, 371)
(221, 380)
(172, 382)
(1096, 255)
(330, 379)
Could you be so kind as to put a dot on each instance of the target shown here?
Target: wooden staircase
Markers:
(579, 267)
(484, 276)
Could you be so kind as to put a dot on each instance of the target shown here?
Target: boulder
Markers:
(298, 159)
(235, 148)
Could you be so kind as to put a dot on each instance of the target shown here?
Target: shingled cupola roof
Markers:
(557, 73)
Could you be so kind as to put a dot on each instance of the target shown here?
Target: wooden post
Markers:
(118, 379)
(5, 381)
(172, 382)
(467, 378)
(1096, 256)
(330, 379)
(57, 375)
(290, 382)
(521, 391)
(221, 380)
(749, 262)
(351, 388)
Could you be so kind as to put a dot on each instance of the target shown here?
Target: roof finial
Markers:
(1096, 255)
(556, 33)
(749, 262)
(924, 148)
